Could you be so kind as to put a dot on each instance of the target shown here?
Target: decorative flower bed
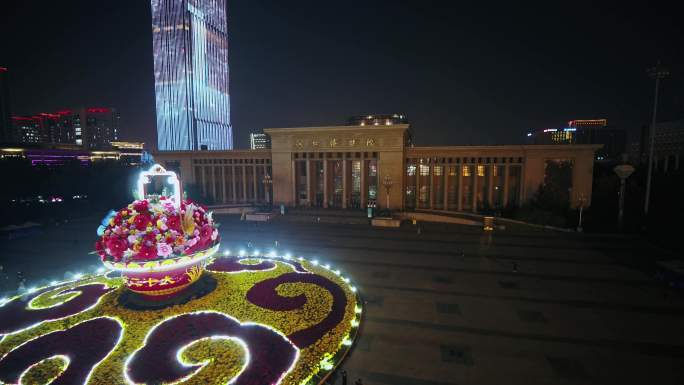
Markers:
(269, 321)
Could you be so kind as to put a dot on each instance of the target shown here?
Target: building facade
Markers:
(259, 141)
(6, 128)
(349, 166)
(190, 43)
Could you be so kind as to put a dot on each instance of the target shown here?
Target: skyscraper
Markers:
(190, 41)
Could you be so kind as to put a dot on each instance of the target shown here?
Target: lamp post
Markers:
(623, 172)
(387, 182)
(267, 181)
(658, 72)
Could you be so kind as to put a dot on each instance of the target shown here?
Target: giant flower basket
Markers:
(160, 244)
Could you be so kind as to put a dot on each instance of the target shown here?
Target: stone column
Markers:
(459, 170)
(232, 181)
(308, 182)
(445, 174)
(345, 189)
(505, 186)
(475, 178)
(418, 164)
(364, 182)
(521, 191)
(294, 183)
(432, 186)
(212, 171)
(244, 184)
(490, 192)
(254, 182)
(225, 184)
(326, 186)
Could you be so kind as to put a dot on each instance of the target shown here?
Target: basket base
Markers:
(198, 289)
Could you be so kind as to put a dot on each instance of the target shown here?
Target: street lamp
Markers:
(658, 72)
(623, 172)
(387, 182)
(267, 181)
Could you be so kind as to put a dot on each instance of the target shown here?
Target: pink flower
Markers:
(164, 249)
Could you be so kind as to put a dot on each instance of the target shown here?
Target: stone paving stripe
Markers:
(448, 308)
(605, 305)
(456, 354)
(532, 316)
(381, 274)
(509, 285)
(567, 368)
(442, 279)
(647, 348)
(369, 377)
(552, 277)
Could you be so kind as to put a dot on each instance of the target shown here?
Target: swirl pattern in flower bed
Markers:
(268, 321)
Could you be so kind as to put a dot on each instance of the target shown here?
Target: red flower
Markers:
(142, 220)
(146, 253)
(141, 206)
(173, 222)
(205, 235)
(116, 247)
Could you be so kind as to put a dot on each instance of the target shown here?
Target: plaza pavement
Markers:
(446, 306)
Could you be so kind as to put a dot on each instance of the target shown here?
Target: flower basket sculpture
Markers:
(159, 243)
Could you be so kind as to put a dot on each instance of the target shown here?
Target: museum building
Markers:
(350, 166)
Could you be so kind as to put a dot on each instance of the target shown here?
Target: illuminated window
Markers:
(424, 170)
(480, 170)
(466, 170)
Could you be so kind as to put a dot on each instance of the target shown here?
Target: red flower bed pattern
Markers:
(86, 344)
(264, 294)
(271, 358)
(15, 316)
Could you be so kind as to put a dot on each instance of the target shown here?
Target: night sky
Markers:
(463, 73)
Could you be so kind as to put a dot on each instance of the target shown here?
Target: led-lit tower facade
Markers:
(190, 41)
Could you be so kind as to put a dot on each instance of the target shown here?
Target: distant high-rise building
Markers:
(190, 43)
(259, 141)
(5, 121)
(92, 128)
(26, 129)
(101, 127)
(593, 131)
